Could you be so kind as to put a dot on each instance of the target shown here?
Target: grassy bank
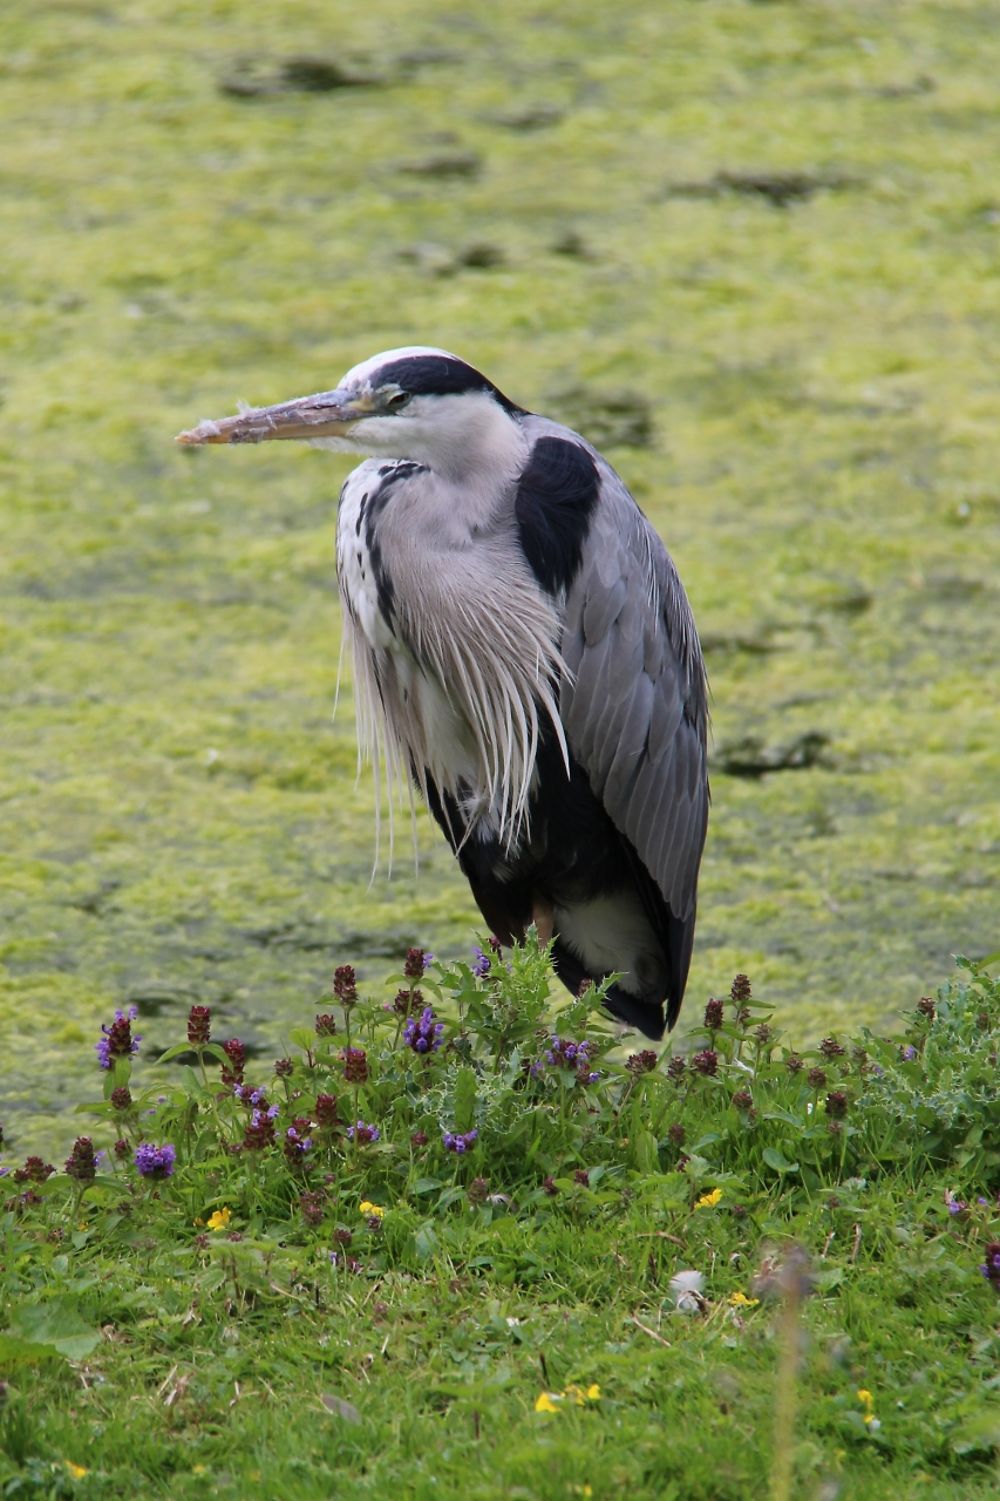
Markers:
(440, 1250)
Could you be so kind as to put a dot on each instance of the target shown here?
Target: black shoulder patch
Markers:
(556, 496)
(437, 375)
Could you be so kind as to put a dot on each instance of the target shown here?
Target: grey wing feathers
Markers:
(635, 705)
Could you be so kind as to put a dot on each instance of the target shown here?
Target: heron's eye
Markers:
(397, 401)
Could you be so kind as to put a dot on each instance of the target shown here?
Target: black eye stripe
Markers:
(439, 375)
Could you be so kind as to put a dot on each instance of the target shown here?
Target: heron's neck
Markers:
(482, 449)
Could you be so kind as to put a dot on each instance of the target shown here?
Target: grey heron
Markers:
(523, 650)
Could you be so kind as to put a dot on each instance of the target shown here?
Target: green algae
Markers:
(181, 818)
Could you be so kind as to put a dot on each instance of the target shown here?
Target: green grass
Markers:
(843, 1213)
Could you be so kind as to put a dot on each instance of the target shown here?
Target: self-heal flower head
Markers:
(117, 1040)
(908, 1053)
(355, 1061)
(296, 1145)
(990, 1268)
(417, 961)
(155, 1162)
(423, 1033)
(199, 1026)
(565, 1053)
(362, 1133)
(345, 985)
(237, 1055)
(456, 1141)
(481, 965)
(81, 1164)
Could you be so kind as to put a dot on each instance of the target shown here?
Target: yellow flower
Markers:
(220, 1219)
(709, 1201)
(581, 1395)
(367, 1207)
(77, 1471)
(740, 1300)
(865, 1396)
(547, 1402)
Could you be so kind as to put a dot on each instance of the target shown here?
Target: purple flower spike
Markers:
(362, 1133)
(459, 1142)
(481, 965)
(117, 1040)
(563, 1053)
(155, 1162)
(990, 1268)
(423, 1033)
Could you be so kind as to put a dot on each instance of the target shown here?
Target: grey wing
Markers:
(635, 711)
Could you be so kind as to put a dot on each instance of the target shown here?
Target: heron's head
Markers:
(412, 403)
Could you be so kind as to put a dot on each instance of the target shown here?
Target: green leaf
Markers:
(778, 1162)
(17, 1352)
(56, 1324)
(425, 1241)
(644, 1152)
(465, 1099)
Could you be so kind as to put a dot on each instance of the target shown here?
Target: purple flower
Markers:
(990, 1268)
(345, 986)
(908, 1053)
(457, 1141)
(81, 1164)
(416, 962)
(566, 1054)
(423, 1034)
(155, 1162)
(296, 1145)
(362, 1133)
(117, 1040)
(955, 1206)
(481, 966)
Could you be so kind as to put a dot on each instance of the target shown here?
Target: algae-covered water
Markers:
(753, 250)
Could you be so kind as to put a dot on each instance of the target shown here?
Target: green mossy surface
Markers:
(181, 819)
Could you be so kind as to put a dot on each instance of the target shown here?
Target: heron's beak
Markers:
(330, 414)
